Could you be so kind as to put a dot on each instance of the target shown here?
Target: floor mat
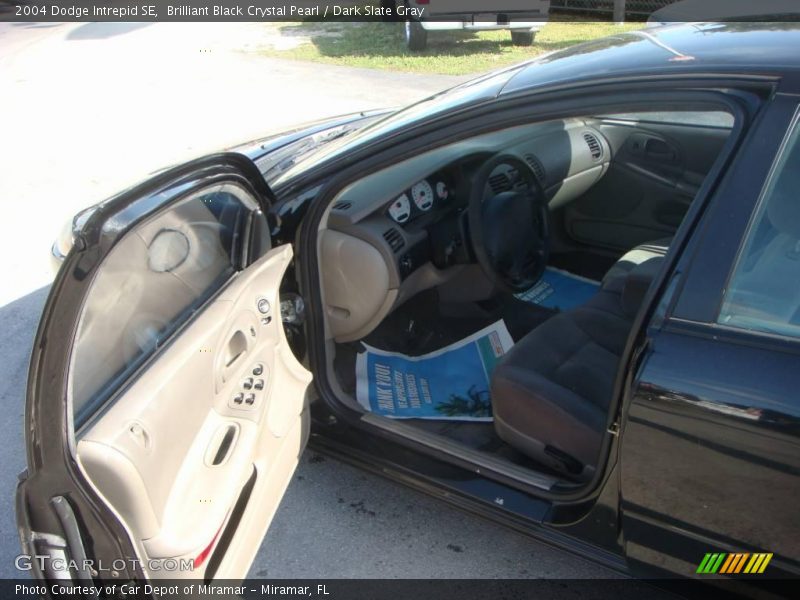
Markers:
(560, 290)
(451, 383)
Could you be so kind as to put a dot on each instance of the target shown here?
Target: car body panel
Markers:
(697, 422)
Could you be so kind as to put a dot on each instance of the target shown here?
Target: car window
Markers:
(477, 90)
(704, 118)
(764, 291)
(150, 283)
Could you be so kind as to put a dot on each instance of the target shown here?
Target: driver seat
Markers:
(551, 392)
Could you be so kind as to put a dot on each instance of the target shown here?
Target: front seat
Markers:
(551, 392)
(615, 278)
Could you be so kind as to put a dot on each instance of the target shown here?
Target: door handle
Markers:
(235, 351)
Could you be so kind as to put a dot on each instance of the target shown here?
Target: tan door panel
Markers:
(225, 399)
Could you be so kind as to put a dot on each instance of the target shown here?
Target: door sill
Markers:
(478, 461)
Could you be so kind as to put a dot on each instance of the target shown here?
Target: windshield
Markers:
(274, 164)
(483, 88)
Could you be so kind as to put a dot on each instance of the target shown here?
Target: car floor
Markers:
(586, 263)
(423, 325)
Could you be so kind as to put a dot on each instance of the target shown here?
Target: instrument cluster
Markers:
(421, 198)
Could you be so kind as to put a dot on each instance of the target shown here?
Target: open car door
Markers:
(165, 410)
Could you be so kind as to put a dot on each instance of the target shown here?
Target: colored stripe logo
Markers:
(725, 563)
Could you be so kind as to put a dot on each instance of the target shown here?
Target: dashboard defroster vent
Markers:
(537, 168)
(343, 206)
(395, 239)
(594, 145)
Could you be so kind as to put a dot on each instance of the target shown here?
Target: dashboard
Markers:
(427, 196)
(401, 230)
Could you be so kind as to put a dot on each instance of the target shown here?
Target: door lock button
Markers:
(259, 384)
(248, 383)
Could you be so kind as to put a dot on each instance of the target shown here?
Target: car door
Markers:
(660, 159)
(710, 461)
(165, 409)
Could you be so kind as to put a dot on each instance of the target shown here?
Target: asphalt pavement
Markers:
(89, 108)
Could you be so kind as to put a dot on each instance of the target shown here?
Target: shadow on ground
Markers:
(19, 320)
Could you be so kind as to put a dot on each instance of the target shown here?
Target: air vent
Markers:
(342, 206)
(536, 166)
(499, 183)
(594, 145)
(395, 239)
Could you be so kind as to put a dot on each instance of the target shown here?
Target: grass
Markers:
(381, 46)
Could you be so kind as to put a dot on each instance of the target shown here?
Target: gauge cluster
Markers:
(423, 197)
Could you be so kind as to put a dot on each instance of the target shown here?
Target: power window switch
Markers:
(250, 399)
(238, 398)
(259, 384)
(258, 370)
(248, 383)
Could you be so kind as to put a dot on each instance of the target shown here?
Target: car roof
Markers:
(726, 10)
(750, 48)
(753, 48)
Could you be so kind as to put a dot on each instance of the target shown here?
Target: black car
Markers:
(648, 422)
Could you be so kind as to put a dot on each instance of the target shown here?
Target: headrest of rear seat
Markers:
(638, 282)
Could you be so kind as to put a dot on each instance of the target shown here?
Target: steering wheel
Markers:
(509, 229)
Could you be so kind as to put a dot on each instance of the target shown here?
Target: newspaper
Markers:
(451, 383)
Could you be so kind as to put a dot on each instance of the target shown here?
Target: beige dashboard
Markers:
(371, 263)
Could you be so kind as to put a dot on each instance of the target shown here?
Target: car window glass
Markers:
(476, 90)
(705, 118)
(150, 283)
(764, 291)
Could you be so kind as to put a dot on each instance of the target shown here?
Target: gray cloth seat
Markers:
(551, 392)
(615, 278)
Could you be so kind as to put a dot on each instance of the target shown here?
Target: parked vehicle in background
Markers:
(634, 9)
(522, 17)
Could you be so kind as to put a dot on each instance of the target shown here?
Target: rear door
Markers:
(166, 411)
(710, 449)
